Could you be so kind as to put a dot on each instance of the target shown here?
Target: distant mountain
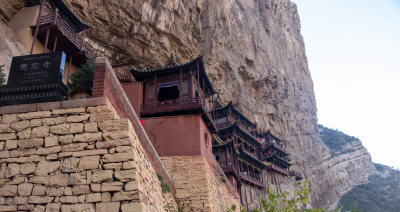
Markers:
(380, 194)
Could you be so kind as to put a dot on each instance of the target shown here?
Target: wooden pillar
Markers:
(55, 43)
(37, 25)
(69, 68)
(47, 40)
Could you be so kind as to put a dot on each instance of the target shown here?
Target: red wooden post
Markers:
(55, 43)
(55, 16)
(47, 40)
(37, 25)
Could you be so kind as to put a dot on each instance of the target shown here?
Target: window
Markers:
(221, 120)
(168, 92)
(150, 93)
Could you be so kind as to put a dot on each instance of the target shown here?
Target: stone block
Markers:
(111, 186)
(53, 121)
(76, 128)
(45, 167)
(91, 127)
(87, 137)
(25, 189)
(108, 206)
(129, 165)
(107, 116)
(78, 118)
(20, 200)
(4, 154)
(17, 180)
(11, 144)
(77, 178)
(9, 118)
(60, 129)
(90, 152)
(87, 207)
(114, 135)
(35, 122)
(70, 165)
(65, 139)
(24, 134)
(93, 197)
(27, 207)
(113, 143)
(20, 125)
(54, 191)
(2, 145)
(73, 147)
(28, 168)
(8, 207)
(44, 180)
(30, 143)
(80, 189)
(128, 149)
(12, 170)
(51, 141)
(89, 162)
(138, 206)
(39, 199)
(106, 197)
(128, 195)
(7, 136)
(38, 190)
(40, 132)
(68, 199)
(8, 190)
(95, 187)
(125, 175)
(68, 191)
(117, 157)
(34, 115)
(102, 176)
(114, 125)
(131, 186)
(59, 180)
(113, 166)
(22, 153)
(69, 111)
(5, 128)
(48, 150)
(53, 207)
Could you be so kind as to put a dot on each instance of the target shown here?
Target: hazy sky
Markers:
(353, 51)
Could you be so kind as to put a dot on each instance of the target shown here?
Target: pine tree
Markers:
(82, 79)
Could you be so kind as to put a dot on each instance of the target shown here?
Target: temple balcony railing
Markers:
(229, 168)
(269, 144)
(172, 105)
(77, 40)
(244, 176)
(249, 153)
(269, 156)
(279, 169)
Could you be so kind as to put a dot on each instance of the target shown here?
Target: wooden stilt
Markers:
(55, 43)
(37, 25)
(47, 40)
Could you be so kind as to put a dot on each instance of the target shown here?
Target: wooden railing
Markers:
(279, 169)
(250, 179)
(229, 168)
(249, 153)
(172, 105)
(67, 31)
(274, 154)
(267, 144)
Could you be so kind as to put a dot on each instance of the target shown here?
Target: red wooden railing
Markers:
(250, 179)
(67, 31)
(172, 105)
(279, 169)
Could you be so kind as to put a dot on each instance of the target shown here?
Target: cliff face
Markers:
(255, 57)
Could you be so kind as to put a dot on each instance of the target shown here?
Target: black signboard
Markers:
(37, 69)
(35, 78)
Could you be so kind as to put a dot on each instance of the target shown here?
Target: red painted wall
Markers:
(134, 91)
(179, 136)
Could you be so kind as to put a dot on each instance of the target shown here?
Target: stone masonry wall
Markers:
(198, 186)
(74, 156)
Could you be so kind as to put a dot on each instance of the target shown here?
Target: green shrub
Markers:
(2, 75)
(82, 79)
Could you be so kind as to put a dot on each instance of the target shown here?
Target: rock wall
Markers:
(74, 156)
(199, 186)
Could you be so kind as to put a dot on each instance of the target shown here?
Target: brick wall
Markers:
(75, 156)
(106, 84)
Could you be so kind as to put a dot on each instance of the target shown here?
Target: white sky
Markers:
(353, 51)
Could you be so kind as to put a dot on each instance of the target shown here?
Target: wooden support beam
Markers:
(55, 43)
(47, 40)
(37, 25)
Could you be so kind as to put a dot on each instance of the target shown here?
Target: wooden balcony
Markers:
(252, 180)
(67, 39)
(229, 168)
(274, 155)
(278, 169)
(274, 145)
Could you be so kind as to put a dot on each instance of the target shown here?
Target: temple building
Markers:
(51, 26)
(238, 153)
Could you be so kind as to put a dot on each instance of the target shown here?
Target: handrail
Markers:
(251, 179)
(66, 30)
(277, 168)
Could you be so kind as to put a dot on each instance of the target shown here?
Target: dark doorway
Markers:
(168, 92)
